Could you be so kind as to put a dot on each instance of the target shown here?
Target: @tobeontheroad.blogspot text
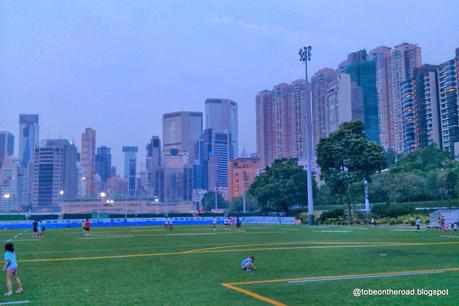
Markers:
(357, 292)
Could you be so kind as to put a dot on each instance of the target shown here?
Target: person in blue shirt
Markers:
(247, 264)
(11, 266)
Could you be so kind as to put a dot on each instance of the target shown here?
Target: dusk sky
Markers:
(117, 66)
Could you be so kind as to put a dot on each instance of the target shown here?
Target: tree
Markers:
(251, 204)
(208, 201)
(347, 158)
(281, 186)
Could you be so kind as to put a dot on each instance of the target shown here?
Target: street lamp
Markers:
(103, 194)
(305, 56)
(6, 196)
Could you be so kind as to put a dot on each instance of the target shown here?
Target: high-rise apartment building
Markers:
(222, 117)
(345, 102)
(28, 137)
(281, 122)
(130, 169)
(264, 126)
(181, 130)
(6, 145)
(54, 174)
(420, 105)
(382, 58)
(448, 86)
(405, 58)
(320, 83)
(88, 158)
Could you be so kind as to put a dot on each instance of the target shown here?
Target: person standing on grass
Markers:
(11, 266)
(214, 223)
(238, 222)
(247, 264)
(87, 226)
(169, 222)
(39, 229)
(418, 224)
(35, 229)
(230, 223)
(225, 222)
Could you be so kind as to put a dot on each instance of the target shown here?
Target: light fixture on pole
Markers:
(305, 56)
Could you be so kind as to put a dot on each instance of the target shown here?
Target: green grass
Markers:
(188, 267)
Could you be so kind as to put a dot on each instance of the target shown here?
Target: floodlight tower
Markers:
(305, 56)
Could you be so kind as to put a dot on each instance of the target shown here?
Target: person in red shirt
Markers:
(87, 226)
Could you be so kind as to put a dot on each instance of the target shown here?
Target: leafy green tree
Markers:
(425, 159)
(281, 186)
(236, 204)
(347, 158)
(208, 201)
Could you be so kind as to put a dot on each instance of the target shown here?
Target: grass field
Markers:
(192, 265)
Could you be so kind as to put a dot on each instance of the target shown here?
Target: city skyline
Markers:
(78, 82)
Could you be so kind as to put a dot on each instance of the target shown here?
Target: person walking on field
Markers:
(418, 224)
(11, 266)
(35, 229)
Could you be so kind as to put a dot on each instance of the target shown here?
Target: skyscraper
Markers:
(154, 166)
(420, 105)
(448, 86)
(28, 137)
(54, 174)
(10, 185)
(88, 158)
(181, 130)
(405, 58)
(264, 125)
(130, 169)
(6, 145)
(363, 74)
(382, 58)
(345, 102)
(177, 177)
(281, 122)
(214, 148)
(222, 117)
(103, 164)
(320, 83)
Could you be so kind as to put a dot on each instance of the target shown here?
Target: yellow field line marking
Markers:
(254, 295)
(234, 286)
(287, 243)
(338, 276)
(234, 250)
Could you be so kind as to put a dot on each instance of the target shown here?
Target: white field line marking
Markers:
(407, 230)
(331, 231)
(16, 302)
(256, 233)
(449, 236)
(160, 235)
(16, 236)
(361, 277)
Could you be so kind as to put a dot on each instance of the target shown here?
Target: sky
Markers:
(117, 66)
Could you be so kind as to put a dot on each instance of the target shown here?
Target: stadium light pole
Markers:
(305, 56)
